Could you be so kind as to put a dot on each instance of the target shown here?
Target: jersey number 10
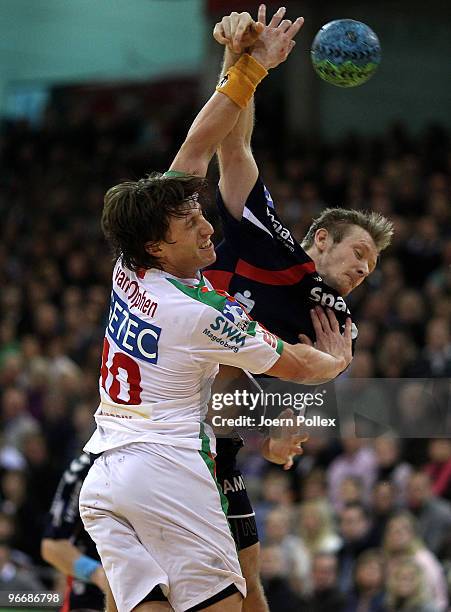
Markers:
(118, 386)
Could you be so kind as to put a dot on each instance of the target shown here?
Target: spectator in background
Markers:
(42, 474)
(318, 454)
(23, 509)
(383, 505)
(368, 592)
(390, 466)
(417, 414)
(316, 528)
(274, 572)
(351, 491)
(14, 579)
(439, 467)
(8, 536)
(83, 424)
(16, 420)
(407, 590)
(277, 533)
(432, 513)
(364, 397)
(410, 314)
(423, 249)
(435, 358)
(355, 530)
(10, 457)
(314, 487)
(395, 354)
(325, 595)
(357, 460)
(401, 541)
(275, 491)
(439, 281)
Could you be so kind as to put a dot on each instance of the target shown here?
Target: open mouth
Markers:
(206, 245)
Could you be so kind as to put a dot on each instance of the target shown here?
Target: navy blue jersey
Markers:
(64, 523)
(268, 272)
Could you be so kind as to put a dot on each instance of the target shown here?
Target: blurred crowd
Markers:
(359, 525)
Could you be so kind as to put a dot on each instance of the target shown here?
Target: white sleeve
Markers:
(235, 341)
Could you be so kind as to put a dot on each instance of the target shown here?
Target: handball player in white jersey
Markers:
(151, 502)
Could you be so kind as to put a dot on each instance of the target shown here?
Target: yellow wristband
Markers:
(241, 80)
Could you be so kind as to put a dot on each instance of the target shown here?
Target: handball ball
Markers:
(346, 53)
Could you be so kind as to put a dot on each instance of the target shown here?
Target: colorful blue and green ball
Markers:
(346, 53)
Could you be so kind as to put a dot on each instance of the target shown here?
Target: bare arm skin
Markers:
(219, 115)
(62, 554)
(238, 169)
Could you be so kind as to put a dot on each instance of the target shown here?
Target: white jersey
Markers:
(164, 340)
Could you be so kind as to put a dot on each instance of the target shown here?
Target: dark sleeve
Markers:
(260, 238)
(255, 222)
(64, 516)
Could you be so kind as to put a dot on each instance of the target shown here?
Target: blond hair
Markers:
(320, 508)
(338, 221)
(420, 595)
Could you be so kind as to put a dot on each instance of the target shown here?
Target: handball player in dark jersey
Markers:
(277, 280)
(68, 547)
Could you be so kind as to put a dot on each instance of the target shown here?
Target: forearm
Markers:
(241, 133)
(211, 126)
(237, 167)
(218, 116)
(61, 554)
(306, 365)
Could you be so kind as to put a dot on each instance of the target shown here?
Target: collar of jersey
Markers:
(186, 281)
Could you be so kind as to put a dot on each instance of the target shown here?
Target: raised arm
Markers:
(215, 120)
(238, 169)
(220, 114)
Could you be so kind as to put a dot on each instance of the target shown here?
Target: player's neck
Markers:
(317, 258)
(180, 271)
(313, 253)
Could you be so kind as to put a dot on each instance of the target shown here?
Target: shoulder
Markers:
(210, 302)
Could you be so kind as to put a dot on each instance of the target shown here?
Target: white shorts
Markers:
(154, 512)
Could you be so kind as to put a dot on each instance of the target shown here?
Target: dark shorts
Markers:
(241, 515)
(156, 594)
(83, 596)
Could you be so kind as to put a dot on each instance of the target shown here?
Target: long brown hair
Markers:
(137, 214)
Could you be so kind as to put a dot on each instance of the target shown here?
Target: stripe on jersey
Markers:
(287, 276)
(220, 279)
(211, 297)
(249, 215)
(268, 337)
(206, 455)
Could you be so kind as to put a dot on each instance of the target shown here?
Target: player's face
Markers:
(346, 264)
(188, 246)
